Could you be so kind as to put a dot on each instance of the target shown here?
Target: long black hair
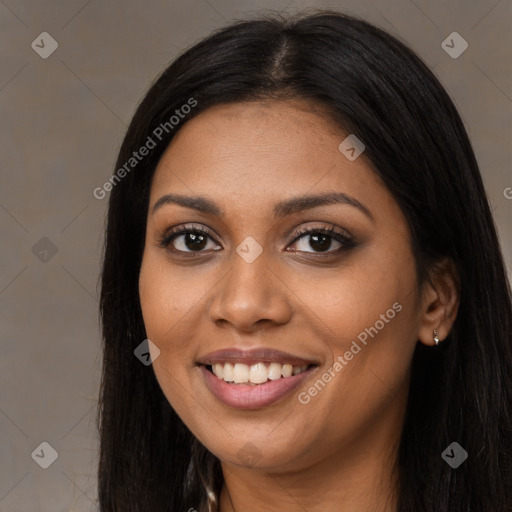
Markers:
(376, 88)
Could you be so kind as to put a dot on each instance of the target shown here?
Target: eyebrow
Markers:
(281, 209)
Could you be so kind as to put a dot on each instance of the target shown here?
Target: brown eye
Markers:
(316, 240)
(194, 241)
(189, 241)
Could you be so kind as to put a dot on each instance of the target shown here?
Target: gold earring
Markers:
(436, 339)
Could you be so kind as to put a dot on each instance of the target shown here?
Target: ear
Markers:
(439, 302)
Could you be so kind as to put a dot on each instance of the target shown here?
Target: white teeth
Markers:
(227, 372)
(240, 373)
(274, 371)
(287, 370)
(218, 369)
(258, 373)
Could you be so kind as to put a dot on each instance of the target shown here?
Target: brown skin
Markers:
(338, 451)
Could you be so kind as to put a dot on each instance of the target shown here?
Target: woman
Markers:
(299, 241)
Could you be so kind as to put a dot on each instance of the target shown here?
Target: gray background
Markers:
(63, 119)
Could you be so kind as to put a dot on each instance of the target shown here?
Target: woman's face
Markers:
(254, 288)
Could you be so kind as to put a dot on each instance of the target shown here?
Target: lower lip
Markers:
(244, 396)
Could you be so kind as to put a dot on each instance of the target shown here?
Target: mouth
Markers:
(253, 379)
(255, 374)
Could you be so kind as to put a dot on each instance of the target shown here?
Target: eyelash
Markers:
(345, 240)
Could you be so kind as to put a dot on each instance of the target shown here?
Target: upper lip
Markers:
(253, 356)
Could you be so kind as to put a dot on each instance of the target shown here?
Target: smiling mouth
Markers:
(255, 374)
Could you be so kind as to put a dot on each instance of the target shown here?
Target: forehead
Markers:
(276, 127)
(259, 146)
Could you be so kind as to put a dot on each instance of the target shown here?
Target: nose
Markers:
(250, 296)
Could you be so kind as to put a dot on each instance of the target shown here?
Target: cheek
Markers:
(370, 310)
(369, 371)
(373, 310)
(351, 298)
(164, 303)
(173, 302)
(167, 304)
(167, 296)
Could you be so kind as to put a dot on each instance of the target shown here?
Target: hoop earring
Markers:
(436, 339)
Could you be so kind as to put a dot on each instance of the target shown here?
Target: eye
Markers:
(189, 239)
(192, 240)
(321, 240)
